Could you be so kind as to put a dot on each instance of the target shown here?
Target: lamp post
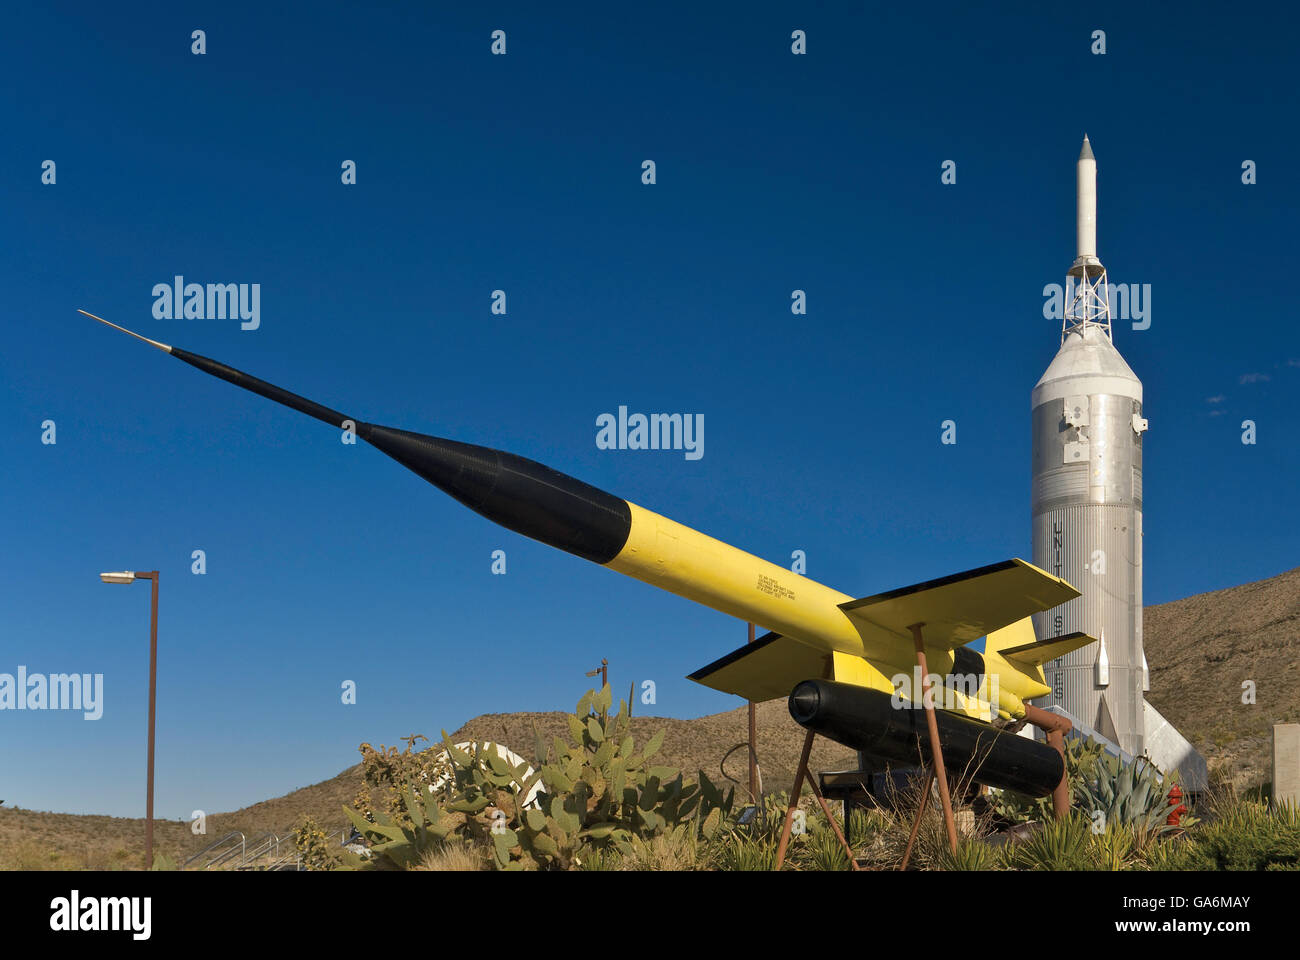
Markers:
(128, 576)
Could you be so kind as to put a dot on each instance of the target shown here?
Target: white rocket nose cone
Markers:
(1086, 152)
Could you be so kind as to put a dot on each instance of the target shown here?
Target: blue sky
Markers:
(522, 172)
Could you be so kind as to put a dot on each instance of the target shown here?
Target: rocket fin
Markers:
(773, 665)
(768, 668)
(1041, 651)
(960, 608)
(1105, 725)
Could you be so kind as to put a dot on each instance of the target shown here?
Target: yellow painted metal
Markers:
(683, 561)
(959, 609)
(867, 639)
(764, 670)
(1021, 680)
(1039, 652)
(847, 668)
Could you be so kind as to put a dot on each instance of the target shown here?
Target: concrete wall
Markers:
(1286, 763)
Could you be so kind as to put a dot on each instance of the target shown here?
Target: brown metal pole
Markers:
(1056, 727)
(153, 697)
(935, 746)
(794, 798)
(753, 737)
(604, 673)
(821, 801)
(916, 822)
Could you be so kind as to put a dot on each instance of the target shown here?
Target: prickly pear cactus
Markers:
(596, 793)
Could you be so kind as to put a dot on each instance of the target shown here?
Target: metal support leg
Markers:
(935, 747)
(794, 798)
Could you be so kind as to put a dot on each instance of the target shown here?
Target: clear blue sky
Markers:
(475, 172)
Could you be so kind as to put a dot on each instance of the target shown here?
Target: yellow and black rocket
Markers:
(842, 661)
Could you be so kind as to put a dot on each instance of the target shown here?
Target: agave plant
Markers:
(1132, 795)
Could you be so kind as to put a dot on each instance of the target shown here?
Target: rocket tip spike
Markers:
(161, 346)
(1085, 153)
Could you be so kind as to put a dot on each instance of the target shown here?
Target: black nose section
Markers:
(805, 701)
(521, 494)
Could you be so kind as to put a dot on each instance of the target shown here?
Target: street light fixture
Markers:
(129, 576)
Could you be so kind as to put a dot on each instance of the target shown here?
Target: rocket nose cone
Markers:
(1085, 152)
(805, 701)
(520, 494)
(463, 470)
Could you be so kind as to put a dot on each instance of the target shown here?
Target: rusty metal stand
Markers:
(936, 750)
(916, 821)
(800, 775)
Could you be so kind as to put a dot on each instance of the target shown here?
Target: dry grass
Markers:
(452, 857)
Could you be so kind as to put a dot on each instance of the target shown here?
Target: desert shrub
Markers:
(972, 854)
(313, 845)
(1238, 834)
(679, 848)
(822, 849)
(451, 856)
(1116, 846)
(749, 853)
(1064, 844)
(597, 794)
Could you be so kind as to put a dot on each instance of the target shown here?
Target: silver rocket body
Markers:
(1087, 499)
(1087, 529)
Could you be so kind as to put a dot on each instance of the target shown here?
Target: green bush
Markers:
(1243, 835)
(313, 846)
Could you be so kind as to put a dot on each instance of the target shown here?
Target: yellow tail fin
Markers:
(1017, 645)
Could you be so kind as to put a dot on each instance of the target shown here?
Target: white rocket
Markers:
(1086, 505)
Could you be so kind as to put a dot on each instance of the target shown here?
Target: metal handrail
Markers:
(290, 857)
(213, 845)
(231, 854)
(242, 852)
(260, 846)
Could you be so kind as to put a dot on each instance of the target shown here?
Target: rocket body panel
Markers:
(676, 558)
(1087, 528)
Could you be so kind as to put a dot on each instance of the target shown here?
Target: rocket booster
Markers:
(564, 512)
(867, 721)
